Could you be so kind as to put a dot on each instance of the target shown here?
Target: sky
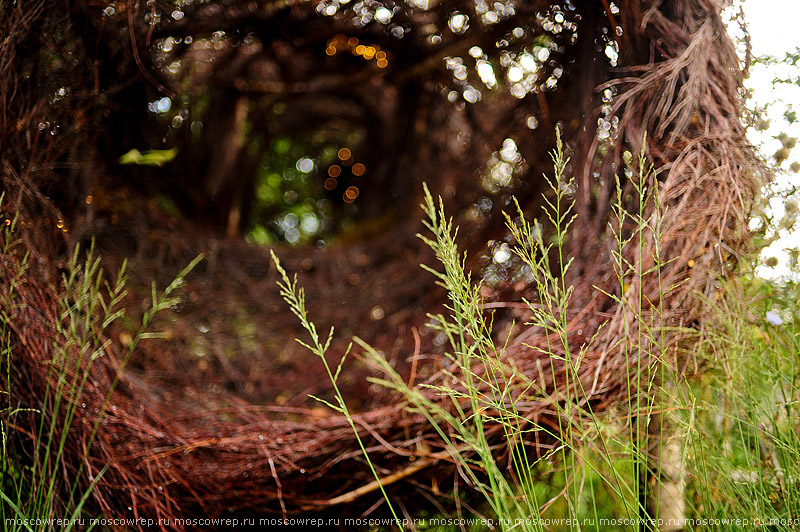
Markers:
(774, 30)
(772, 25)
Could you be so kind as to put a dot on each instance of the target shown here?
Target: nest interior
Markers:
(309, 127)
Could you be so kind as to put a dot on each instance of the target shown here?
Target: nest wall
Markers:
(232, 433)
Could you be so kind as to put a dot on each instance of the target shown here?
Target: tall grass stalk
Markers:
(295, 298)
(743, 412)
(485, 388)
(34, 493)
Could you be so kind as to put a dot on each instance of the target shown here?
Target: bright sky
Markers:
(773, 27)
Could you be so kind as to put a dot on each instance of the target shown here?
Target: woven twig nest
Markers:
(232, 432)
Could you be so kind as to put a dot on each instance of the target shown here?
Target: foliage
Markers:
(37, 490)
(149, 157)
(292, 202)
(741, 415)
(485, 388)
(295, 298)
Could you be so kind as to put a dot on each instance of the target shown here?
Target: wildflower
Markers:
(774, 318)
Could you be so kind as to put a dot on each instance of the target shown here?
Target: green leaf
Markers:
(148, 158)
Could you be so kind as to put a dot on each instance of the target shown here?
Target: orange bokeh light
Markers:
(351, 193)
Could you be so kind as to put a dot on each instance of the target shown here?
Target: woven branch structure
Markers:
(213, 418)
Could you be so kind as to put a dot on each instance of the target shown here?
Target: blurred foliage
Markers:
(149, 157)
(742, 412)
(295, 201)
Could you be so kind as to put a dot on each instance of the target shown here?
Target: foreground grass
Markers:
(720, 438)
(597, 466)
(741, 414)
(36, 488)
(735, 420)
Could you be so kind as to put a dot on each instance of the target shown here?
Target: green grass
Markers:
(732, 427)
(741, 415)
(728, 434)
(596, 465)
(295, 298)
(37, 489)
